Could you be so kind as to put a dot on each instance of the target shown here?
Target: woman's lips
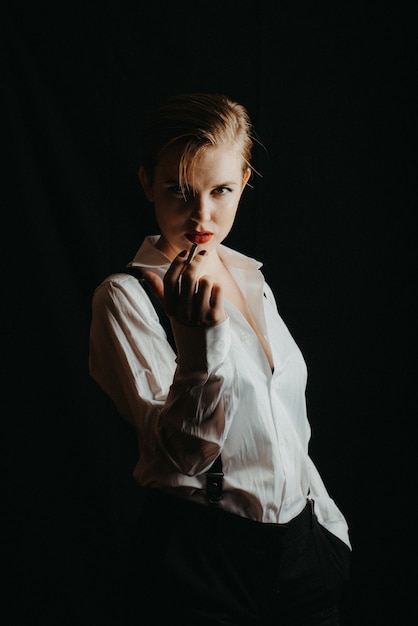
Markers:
(199, 238)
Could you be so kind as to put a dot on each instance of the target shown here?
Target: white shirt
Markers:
(217, 395)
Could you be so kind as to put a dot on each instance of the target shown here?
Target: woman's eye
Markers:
(176, 189)
(220, 191)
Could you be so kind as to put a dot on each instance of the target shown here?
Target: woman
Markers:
(258, 540)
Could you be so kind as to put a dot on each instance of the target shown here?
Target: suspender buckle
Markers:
(214, 484)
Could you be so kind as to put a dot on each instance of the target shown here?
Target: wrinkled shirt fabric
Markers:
(218, 394)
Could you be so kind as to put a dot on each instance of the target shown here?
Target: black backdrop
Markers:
(329, 88)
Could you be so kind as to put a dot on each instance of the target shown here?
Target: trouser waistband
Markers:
(171, 506)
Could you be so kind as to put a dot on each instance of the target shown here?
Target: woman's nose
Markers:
(200, 208)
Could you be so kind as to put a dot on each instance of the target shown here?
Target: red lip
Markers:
(199, 238)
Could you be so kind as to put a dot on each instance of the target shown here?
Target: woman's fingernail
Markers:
(183, 253)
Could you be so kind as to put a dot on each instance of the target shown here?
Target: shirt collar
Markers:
(148, 257)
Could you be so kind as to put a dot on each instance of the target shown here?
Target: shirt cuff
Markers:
(201, 347)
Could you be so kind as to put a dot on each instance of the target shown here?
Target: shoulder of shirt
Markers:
(122, 295)
(118, 278)
(121, 284)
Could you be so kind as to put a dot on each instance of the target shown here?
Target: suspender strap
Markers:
(214, 475)
(214, 481)
(162, 315)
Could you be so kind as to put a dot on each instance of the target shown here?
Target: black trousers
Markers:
(202, 566)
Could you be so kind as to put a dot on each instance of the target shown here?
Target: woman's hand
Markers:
(189, 297)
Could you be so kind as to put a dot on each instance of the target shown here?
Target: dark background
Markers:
(329, 88)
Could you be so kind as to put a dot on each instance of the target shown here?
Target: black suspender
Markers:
(214, 481)
(214, 475)
(162, 315)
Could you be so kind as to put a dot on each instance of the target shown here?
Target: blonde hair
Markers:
(196, 122)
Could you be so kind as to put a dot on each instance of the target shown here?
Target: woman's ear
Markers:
(246, 178)
(145, 182)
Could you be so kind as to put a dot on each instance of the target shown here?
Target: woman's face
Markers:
(205, 213)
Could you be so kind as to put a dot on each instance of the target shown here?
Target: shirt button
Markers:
(244, 337)
(220, 344)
